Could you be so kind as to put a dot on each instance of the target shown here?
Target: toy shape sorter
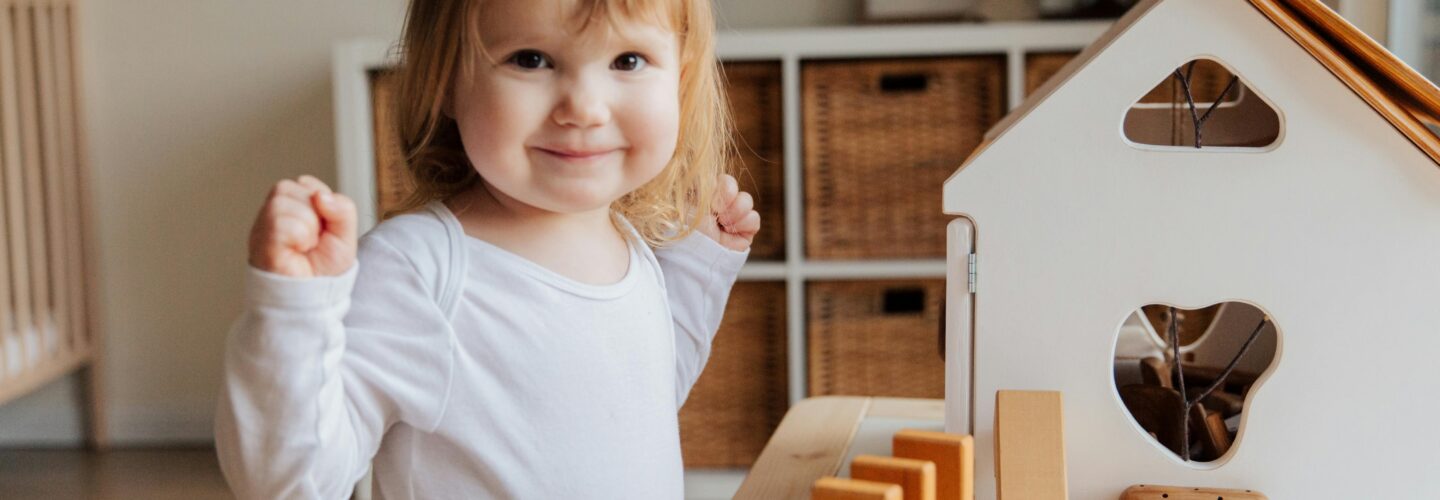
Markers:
(1312, 195)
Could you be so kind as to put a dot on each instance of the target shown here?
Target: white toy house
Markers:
(1313, 196)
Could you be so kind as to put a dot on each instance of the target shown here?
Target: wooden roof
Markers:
(1400, 94)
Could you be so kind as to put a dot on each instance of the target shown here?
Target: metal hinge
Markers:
(972, 273)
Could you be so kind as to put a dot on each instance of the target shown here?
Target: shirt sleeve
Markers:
(699, 273)
(316, 370)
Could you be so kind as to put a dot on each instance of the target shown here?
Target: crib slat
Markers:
(14, 189)
(63, 22)
(7, 312)
(25, 50)
(58, 303)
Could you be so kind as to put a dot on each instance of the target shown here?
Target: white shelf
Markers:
(909, 40)
(844, 270)
(353, 60)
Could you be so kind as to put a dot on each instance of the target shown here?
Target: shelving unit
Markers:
(791, 49)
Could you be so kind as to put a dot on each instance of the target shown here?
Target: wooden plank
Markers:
(917, 408)
(1151, 492)
(34, 192)
(1029, 446)
(1399, 116)
(14, 187)
(915, 477)
(58, 306)
(1371, 57)
(953, 455)
(809, 444)
(834, 488)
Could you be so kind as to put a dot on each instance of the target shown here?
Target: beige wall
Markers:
(195, 108)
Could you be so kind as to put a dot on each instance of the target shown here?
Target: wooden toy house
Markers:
(1312, 195)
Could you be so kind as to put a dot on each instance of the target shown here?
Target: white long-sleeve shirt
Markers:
(465, 371)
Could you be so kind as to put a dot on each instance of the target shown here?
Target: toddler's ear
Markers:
(448, 107)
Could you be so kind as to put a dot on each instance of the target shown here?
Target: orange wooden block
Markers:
(834, 488)
(954, 457)
(916, 477)
(1151, 492)
(1029, 446)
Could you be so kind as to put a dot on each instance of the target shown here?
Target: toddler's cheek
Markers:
(657, 141)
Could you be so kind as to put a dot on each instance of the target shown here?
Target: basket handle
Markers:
(902, 83)
(906, 300)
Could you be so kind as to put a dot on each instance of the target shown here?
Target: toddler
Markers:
(530, 322)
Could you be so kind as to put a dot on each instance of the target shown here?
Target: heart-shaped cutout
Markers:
(1194, 408)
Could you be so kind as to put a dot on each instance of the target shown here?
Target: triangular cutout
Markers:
(1206, 95)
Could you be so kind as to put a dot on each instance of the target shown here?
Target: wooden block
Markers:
(1151, 492)
(1029, 446)
(916, 477)
(834, 488)
(954, 457)
(1155, 371)
(1214, 435)
(1224, 403)
(1157, 410)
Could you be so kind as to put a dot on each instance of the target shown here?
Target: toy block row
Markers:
(1029, 462)
(926, 465)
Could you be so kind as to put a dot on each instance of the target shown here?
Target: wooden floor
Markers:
(160, 474)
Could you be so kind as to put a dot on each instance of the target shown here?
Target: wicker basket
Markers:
(1040, 66)
(876, 338)
(392, 183)
(754, 92)
(881, 137)
(743, 392)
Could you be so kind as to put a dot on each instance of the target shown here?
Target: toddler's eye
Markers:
(628, 61)
(529, 59)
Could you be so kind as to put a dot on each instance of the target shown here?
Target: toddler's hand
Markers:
(304, 230)
(735, 221)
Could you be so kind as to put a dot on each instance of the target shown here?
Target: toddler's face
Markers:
(568, 121)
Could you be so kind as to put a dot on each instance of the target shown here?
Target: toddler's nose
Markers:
(582, 106)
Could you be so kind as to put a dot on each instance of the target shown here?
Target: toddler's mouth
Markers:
(577, 154)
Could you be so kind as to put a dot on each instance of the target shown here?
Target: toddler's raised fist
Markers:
(734, 221)
(304, 230)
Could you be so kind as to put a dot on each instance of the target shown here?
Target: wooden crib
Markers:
(45, 331)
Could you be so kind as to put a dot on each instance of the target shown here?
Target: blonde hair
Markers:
(441, 41)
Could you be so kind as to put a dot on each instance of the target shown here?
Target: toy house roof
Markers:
(1393, 89)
